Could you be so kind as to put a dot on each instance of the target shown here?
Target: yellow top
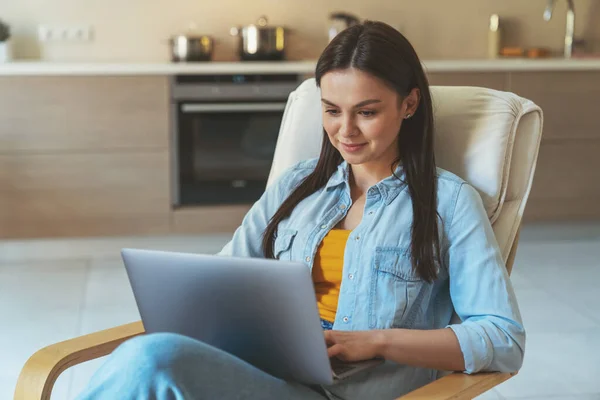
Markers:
(327, 272)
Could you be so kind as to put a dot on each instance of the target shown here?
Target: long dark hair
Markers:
(383, 52)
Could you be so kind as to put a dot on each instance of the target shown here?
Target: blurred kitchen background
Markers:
(153, 124)
(137, 30)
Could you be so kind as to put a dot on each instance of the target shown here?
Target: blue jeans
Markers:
(167, 366)
(326, 325)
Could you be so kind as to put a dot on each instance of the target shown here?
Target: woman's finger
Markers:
(329, 338)
(334, 350)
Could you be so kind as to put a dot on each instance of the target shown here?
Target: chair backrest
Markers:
(488, 138)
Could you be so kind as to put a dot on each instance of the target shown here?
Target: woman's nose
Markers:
(348, 128)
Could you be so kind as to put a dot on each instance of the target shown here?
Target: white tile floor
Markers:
(52, 290)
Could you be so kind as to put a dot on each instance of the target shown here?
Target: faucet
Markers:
(570, 32)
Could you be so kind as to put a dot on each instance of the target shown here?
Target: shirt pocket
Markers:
(395, 289)
(282, 248)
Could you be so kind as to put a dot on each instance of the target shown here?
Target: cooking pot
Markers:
(259, 42)
(185, 48)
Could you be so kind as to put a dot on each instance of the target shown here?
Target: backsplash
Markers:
(138, 31)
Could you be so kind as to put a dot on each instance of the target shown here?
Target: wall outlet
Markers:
(65, 33)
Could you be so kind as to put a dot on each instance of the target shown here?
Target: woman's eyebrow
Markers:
(361, 104)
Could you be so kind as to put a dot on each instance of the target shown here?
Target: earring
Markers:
(407, 116)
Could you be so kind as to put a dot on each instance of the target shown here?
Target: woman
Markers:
(395, 246)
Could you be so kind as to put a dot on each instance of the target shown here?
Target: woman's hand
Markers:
(354, 345)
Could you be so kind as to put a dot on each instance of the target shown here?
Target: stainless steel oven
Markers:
(224, 132)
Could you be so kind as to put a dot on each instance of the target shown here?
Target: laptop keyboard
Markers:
(339, 367)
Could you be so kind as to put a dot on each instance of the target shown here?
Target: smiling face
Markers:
(362, 117)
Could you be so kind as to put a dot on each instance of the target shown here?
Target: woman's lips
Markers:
(351, 148)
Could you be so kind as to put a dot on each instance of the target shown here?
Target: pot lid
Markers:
(261, 23)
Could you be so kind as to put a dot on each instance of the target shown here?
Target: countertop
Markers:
(24, 68)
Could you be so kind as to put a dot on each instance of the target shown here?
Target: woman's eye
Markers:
(331, 111)
(366, 113)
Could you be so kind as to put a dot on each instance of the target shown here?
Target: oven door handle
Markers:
(230, 107)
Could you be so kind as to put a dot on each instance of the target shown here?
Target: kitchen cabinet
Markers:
(570, 100)
(492, 80)
(82, 156)
(83, 194)
(566, 184)
(90, 155)
(567, 179)
(97, 113)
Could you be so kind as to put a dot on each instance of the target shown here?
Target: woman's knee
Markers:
(143, 366)
(156, 351)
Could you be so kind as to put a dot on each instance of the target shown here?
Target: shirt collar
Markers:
(389, 187)
(340, 176)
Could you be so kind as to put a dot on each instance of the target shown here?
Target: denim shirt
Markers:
(379, 289)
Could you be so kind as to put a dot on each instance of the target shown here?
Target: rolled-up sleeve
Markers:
(491, 335)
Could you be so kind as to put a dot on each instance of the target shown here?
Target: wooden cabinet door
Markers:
(84, 156)
(567, 179)
(492, 80)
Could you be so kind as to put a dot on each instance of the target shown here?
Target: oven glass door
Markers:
(226, 150)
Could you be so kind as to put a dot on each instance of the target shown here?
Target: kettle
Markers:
(339, 22)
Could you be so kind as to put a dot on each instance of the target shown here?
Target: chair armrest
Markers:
(43, 368)
(458, 386)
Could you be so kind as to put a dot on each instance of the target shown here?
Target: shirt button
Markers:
(370, 212)
(346, 319)
(357, 238)
(307, 259)
(323, 226)
(342, 206)
(350, 276)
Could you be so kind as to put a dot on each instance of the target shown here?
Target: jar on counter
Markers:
(494, 37)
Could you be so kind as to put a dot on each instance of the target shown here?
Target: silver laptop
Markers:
(262, 311)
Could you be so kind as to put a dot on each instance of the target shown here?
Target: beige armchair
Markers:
(489, 138)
